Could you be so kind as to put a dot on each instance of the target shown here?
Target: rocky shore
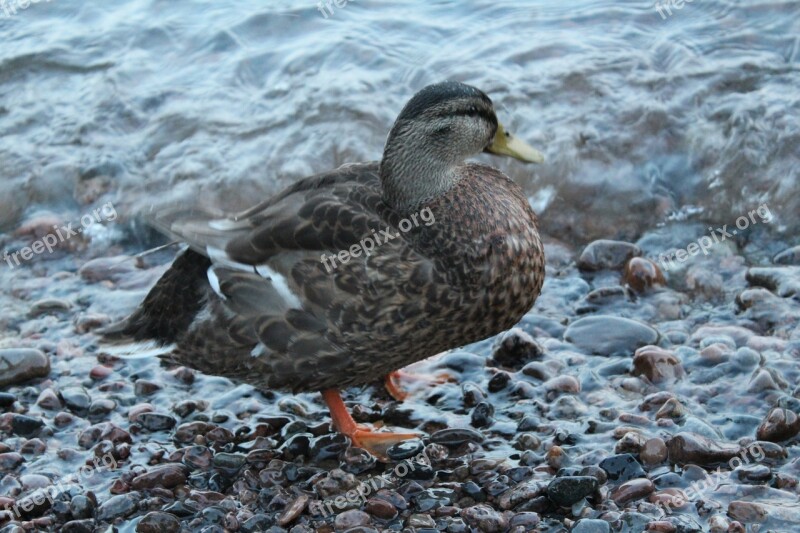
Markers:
(631, 398)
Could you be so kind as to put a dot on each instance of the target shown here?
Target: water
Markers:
(657, 129)
(640, 116)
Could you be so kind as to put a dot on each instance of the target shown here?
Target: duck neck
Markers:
(412, 176)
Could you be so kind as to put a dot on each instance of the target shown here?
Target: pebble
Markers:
(635, 489)
(779, 425)
(10, 461)
(607, 255)
(569, 490)
(453, 437)
(790, 256)
(484, 518)
(657, 365)
(514, 348)
(7, 399)
(610, 335)
(164, 476)
(48, 399)
(380, 509)
(654, 452)
(686, 448)
(158, 522)
(420, 521)
(352, 518)
(118, 506)
(76, 398)
(623, 467)
(48, 306)
(591, 525)
(156, 421)
(642, 274)
(25, 426)
(18, 365)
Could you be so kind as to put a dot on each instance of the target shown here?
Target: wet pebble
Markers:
(81, 506)
(569, 490)
(482, 415)
(420, 521)
(642, 274)
(515, 348)
(48, 306)
(610, 335)
(7, 399)
(156, 421)
(158, 522)
(634, 489)
(591, 525)
(657, 364)
(654, 452)
(685, 448)
(18, 365)
(453, 437)
(484, 518)
(380, 509)
(607, 255)
(790, 256)
(10, 461)
(48, 399)
(76, 398)
(118, 507)
(622, 467)
(779, 425)
(163, 476)
(25, 426)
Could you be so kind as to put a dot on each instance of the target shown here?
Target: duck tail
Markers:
(169, 308)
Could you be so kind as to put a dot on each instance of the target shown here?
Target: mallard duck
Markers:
(350, 275)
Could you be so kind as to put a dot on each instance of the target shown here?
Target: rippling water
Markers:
(641, 115)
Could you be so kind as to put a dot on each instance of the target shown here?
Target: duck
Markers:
(348, 276)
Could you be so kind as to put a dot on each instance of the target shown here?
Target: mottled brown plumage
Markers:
(251, 299)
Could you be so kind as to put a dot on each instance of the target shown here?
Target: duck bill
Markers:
(505, 143)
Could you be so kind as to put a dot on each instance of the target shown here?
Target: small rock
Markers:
(657, 364)
(9, 461)
(25, 426)
(634, 489)
(788, 257)
(158, 522)
(569, 490)
(610, 335)
(642, 274)
(779, 425)
(118, 507)
(48, 399)
(654, 452)
(482, 517)
(163, 476)
(453, 437)
(18, 365)
(76, 398)
(591, 525)
(607, 255)
(380, 509)
(515, 348)
(622, 467)
(691, 448)
(420, 521)
(156, 421)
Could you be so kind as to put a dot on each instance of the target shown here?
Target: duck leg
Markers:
(393, 381)
(361, 436)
